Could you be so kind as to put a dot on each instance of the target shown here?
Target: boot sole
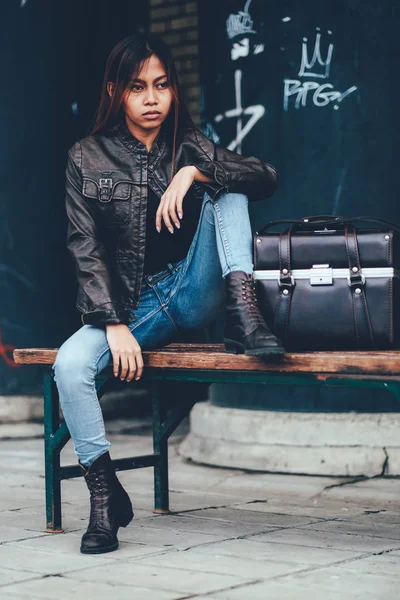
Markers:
(103, 550)
(265, 352)
(233, 347)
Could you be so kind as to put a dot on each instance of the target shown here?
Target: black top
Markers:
(165, 247)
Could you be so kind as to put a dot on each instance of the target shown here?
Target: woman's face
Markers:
(149, 92)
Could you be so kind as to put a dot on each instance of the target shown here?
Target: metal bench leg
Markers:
(394, 389)
(160, 444)
(52, 455)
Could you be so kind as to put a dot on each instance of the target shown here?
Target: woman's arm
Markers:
(200, 177)
(232, 172)
(89, 254)
(218, 170)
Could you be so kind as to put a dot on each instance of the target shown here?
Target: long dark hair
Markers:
(124, 63)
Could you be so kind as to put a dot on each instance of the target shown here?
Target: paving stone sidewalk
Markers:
(233, 535)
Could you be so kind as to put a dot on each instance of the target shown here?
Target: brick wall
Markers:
(176, 21)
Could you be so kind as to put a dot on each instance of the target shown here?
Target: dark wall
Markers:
(311, 87)
(52, 63)
(334, 155)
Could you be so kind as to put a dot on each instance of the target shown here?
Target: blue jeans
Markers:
(186, 296)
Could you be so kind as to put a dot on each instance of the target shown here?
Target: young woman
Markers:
(160, 234)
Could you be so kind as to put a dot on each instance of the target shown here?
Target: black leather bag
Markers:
(325, 283)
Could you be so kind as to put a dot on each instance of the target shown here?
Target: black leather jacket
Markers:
(106, 193)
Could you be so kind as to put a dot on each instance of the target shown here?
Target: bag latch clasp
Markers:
(321, 275)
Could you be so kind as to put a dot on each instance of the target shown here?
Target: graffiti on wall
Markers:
(319, 94)
(6, 351)
(239, 112)
(240, 30)
(312, 86)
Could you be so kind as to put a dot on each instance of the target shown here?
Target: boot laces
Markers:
(250, 296)
(95, 484)
(99, 519)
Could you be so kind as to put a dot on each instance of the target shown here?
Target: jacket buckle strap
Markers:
(106, 185)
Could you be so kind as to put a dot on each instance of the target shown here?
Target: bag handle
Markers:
(328, 221)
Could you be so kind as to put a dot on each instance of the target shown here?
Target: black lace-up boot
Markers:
(245, 329)
(110, 507)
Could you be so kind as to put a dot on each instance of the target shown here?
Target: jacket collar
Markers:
(134, 145)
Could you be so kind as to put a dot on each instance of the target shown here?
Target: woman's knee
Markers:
(232, 204)
(233, 201)
(79, 361)
(234, 198)
(73, 363)
(82, 355)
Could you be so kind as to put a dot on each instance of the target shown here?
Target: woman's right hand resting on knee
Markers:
(125, 351)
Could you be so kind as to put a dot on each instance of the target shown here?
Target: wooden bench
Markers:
(197, 363)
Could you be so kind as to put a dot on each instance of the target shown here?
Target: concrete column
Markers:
(241, 434)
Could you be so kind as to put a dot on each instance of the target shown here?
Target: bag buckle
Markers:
(356, 280)
(286, 282)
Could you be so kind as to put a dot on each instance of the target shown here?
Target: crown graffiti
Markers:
(240, 23)
(316, 67)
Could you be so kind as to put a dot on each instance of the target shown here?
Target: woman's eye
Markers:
(137, 87)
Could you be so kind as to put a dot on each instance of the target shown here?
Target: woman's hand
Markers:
(170, 207)
(125, 351)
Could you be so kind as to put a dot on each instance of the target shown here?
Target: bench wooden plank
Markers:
(213, 357)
